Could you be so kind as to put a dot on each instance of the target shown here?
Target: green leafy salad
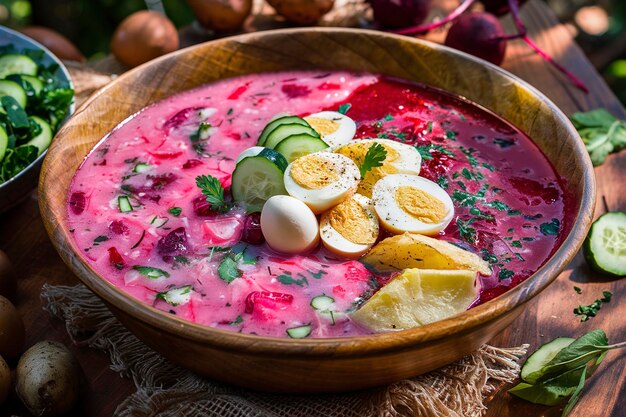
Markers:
(33, 104)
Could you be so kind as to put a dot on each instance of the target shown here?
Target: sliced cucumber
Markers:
(151, 272)
(43, 139)
(543, 355)
(322, 302)
(273, 124)
(284, 131)
(31, 84)
(605, 245)
(13, 89)
(176, 296)
(17, 64)
(4, 142)
(158, 221)
(257, 178)
(34, 82)
(299, 332)
(253, 151)
(293, 147)
(141, 168)
(124, 204)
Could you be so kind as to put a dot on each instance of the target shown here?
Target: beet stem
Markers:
(434, 25)
(513, 5)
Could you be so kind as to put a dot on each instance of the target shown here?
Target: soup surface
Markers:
(140, 220)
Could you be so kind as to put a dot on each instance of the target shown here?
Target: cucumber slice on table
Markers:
(543, 355)
(605, 246)
(4, 142)
(299, 332)
(284, 131)
(13, 89)
(277, 122)
(257, 178)
(293, 147)
(17, 64)
(43, 139)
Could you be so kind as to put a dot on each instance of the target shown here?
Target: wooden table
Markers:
(550, 315)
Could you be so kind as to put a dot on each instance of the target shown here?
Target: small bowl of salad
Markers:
(36, 97)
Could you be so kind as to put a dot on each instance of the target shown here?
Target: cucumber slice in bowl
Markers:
(282, 132)
(605, 245)
(43, 139)
(257, 178)
(4, 142)
(299, 332)
(295, 146)
(273, 124)
(13, 89)
(17, 64)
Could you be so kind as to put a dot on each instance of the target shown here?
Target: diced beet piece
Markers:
(180, 117)
(252, 229)
(166, 155)
(115, 258)
(78, 202)
(161, 180)
(191, 163)
(118, 227)
(174, 243)
(277, 297)
(237, 92)
(295, 90)
(202, 207)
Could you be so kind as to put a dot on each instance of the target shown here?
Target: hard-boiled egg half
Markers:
(400, 159)
(350, 228)
(288, 225)
(408, 203)
(334, 128)
(321, 179)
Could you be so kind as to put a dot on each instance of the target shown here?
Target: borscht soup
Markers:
(315, 204)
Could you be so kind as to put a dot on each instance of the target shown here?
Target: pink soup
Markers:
(141, 222)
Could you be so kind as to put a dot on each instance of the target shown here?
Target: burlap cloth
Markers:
(164, 389)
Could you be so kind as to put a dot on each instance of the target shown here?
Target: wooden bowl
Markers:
(318, 365)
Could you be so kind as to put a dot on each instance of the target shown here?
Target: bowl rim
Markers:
(352, 346)
(68, 79)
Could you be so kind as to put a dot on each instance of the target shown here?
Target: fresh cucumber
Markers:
(605, 245)
(123, 204)
(253, 151)
(299, 332)
(293, 147)
(17, 64)
(43, 139)
(13, 89)
(273, 124)
(284, 131)
(4, 142)
(177, 296)
(322, 302)
(257, 178)
(142, 167)
(543, 355)
(31, 84)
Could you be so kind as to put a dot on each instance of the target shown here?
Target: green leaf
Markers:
(213, 191)
(15, 160)
(228, 270)
(551, 392)
(175, 211)
(17, 116)
(343, 109)
(594, 118)
(601, 132)
(374, 157)
(151, 272)
(288, 280)
(576, 395)
(551, 228)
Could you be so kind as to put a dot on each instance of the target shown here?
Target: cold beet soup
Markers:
(140, 220)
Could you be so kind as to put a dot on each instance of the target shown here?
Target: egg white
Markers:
(394, 218)
(344, 133)
(320, 200)
(337, 243)
(288, 225)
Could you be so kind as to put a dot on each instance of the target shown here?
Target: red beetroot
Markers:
(78, 202)
(181, 117)
(118, 227)
(499, 7)
(252, 229)
(400, 13)
(479, 34)
(115, 258)
(172, 244)
(191, 163)
(277, 297)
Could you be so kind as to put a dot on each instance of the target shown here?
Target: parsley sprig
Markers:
(562, 376)
(213, 191)
(601, 132)
(374, 157)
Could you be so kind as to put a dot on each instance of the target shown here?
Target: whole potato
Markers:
(302, 12)
(11, 330)
(5, 380)
(47, 379)
(221, 15)
(7, 277)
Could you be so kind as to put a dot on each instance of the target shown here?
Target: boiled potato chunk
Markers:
(412, 250)
(418, 297)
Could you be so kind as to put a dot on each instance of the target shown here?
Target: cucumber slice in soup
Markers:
(43, 139)
(299, 332)
(273, 124)
(17, 64)
(4, 142)
(124, 204)
(322, 302)
(257, 178)
(543, 355)
(13, 89)
(605, 245)
(284, 131)
(293, 147)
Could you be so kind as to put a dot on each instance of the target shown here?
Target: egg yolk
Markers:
(322, 126)
(313, 172)
(357, 151)
(421, 205)
(351, 221)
